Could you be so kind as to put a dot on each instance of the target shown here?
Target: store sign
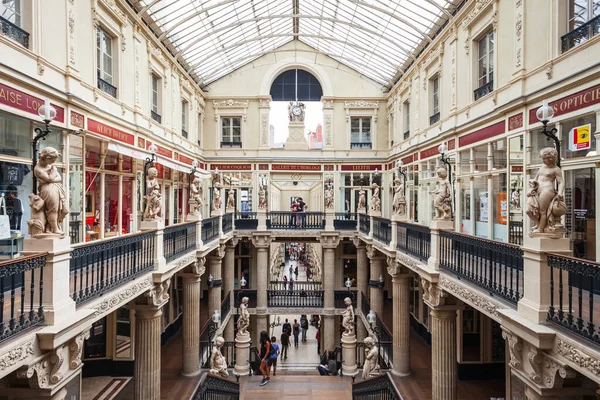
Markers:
(580, 138)
(574, 102)
(25, 102)
(161, 150)
(77, 120)
(110, 132)
(430, 152)
(485, 133)
(185, 160)
(231, 167)
(296, 167)
(370, 167)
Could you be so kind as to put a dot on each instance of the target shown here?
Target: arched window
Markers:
(296, 85)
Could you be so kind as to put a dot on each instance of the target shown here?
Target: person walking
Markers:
(266, 352)
(304, 326)
(291, 284)
(296, 331)
(273, 358)
(285, 281)
(296, 272)
(284, 342)
(286, 328)
(318, 337)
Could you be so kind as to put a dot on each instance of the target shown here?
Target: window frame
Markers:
(100, 67)
(406, 115)
(231, 127)
(155, 106)
(488, 38)
(360, 119)
(185, 115)
(434, 97)
(589, 8)
(18, 13)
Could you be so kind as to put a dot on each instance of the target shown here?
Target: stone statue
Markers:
(348, 318)
(218, 363)
(50, 206)
(442, 198)
(515, 199)
(216, 204)
(362, 200)
(329, 198)
(230, 200)
(375, 201)
(262, 198)
(371, 366)
(296, 111)
(545, 199)
(399, 205)
(243, 318)
(153, 196)
(195, 201)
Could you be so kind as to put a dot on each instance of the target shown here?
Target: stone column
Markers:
(148, 327)
(262, 244)
(329, 242)
(191, 320)
(401, 324)
(214, 293)
(362, 283)
(228, 278)
(443, 353)
(375, 291)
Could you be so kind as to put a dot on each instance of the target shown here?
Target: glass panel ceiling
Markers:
(377, 38)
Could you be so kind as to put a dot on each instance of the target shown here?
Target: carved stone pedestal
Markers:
(349, 367)
(329, 216)
(194, 217)
(435, 226)
(296, 138)
(242, 354)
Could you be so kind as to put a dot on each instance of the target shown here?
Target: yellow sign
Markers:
(580, 138)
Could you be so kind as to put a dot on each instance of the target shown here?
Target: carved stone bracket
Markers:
(158, 295)
(198, 268)
(38, 374)
(330, 241)
(515, 346)
(535, 361)
(261, 241)
(76, 349)
(357, 242)
(432, 294)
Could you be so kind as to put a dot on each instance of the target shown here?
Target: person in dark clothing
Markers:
(287, 327)
(296, 331)
(284, 342)
(265, 354)
(304, 326)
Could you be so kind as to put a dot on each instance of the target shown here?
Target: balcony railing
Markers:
(494, 266)
(382, 230)
(295, 298)
(21, 293)
(381, 387)
(364, 223)
(227, 223)
(228, 351)
(184, 133)
(226, 306)
(406, 135)
(360, 145)
(231, 145)
(515, 232)
(344, 221)
(340, 295)
(213, 388)
(210, 229)
(96, 269)
(414, 240)
(14, 32)
(484, 90)
(295, 220)
(179, 240)
(156, 116)
(574, 294)
(296, 285)
(434, 118)
(241, 293)
(246, 221)
(107, 87)
(365, 305)
(581, 34)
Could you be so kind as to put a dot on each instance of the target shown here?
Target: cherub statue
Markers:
(230, 200)
(153, 196)
(362, 200)
(515, 199)
(262, 197)
(442, 199)
(51, 193)
(218, 363)
(329, 198)
(348, 318)
(216, 205)
(375, 201)
(399, 205)
(371, 366)
(195, 201)
(243, 318)
(290, 113)
(545, 199)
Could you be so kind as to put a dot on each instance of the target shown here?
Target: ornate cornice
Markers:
(230, 103)
(123, 297)
(577, 356)
(115, 10)
(16, 355)
(469, 297)
(361, 104)
(479, 6)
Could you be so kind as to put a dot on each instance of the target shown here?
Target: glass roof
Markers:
(377, 38)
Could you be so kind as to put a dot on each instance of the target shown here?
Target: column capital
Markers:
(396, 268)
(433, 296)
(232, 243)
(261, 240)
(329, 240)
(156, 297)
(373, 253)
(359, 244)
(217, 253)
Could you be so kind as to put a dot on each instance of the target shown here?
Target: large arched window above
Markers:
(296, 85)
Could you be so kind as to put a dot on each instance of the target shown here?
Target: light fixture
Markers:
(47, 112)
(443, 149)
(371, 317)
(195, 164)
(348, 283)
(381, 279)
(216, 318)
(243, 282)
(545, 114)
(153, 148)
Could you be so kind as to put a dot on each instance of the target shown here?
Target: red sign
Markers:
(296, 167)
(516, 168)
(25, 102)
(263, 167)
(451, 144)
(328, 167)
(409, 159)
(142, 143)
(161, 150)
(430, 152)
(185, 159)
(369, 167)
(77, 120)
(515, 122)
(574, 102)
(231, 167)
(110, 132)
(488, 132)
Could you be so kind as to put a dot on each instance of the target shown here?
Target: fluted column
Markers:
(443, 353)
(401, 323)
(214, 293)
(375, 291)
(191, 324)
(262, 243)
(362, 283)
(329, 243)
(228, 279)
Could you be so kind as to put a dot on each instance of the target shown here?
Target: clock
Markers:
(296, 110)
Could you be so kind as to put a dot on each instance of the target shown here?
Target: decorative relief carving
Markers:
(76, 349)
(328, 130)
(535, 361)
(123, 42)
(40, 66)
(479, 6)
(158, 54)
(38, 375)
(495, 21)
(550, 71)
(433, 55)
(515, 346)
(137, 71)
(407, 260)
(576, 356)
(519, 26)
(555, 374)
(519, 58)
(467, 42)
(16, 355)
(432, 294)
(469, 296)
(198, 268)
(122, 297)
(264, 129)
(361, 104)
(230, 103)
(158, 294)
(56, 360)
(112, 6)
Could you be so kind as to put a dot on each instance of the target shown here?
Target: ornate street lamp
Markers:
(400, 171)
(149, 162)
(47, 113)
(192, 172)
(545, 114)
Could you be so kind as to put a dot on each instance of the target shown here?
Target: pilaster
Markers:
(401, 319)
(375, 287)
(329, 242)
(262, 243)
(191, 320)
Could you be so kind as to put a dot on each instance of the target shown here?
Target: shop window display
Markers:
(500, 207)
(482, 205)
(580, 221)
(76, 218)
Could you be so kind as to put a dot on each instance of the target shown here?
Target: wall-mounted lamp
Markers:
(545, 114)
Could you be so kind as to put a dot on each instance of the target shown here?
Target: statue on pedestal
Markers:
(153, 196)
(50, 206)
(195, 202)
(371, 367)
(375, 201)
(362, 200)
(218, 363)
(244, 318)
(399, 204)
(329, 198)
(545, 199)
(216, 203)
(262, 197)
(442, 198)
(348, 318)
(230, 200)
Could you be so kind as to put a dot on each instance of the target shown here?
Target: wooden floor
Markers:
(309, 386)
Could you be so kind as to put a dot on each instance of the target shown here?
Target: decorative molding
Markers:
(577, 356)
(56, 360)
(361, 104)
(123, 42)
(40, 66)
(16, 355)
(519, 26)
(535, 361)
(264, 129)
(158, 294)
(438, 52)
(116, 11)
(328, 119)
(230, 103)
(158, 54)
(550, 70)
(432, 294)
(515, 346)
(357, 242)
(38, 374)
(122, 297)
(198, 268)
(76, 349)
(469, 296)
(408, 261)
(479, 6)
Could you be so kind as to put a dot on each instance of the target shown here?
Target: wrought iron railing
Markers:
(483, 90)
(241, 293)
(226, 306)
(574, 293)
(184, 133)
(296, 285)
(360, 354)
(21, 294)
(340, 295)
(295, 220)
(382, 230)
(406, 135)
(214, 388)
(246, 220)
(74, 229)
(228, 351)
(581, 34)
(414, 240)
(295, 298)
(380, 388)
(360, 145)
(365, 305)
(364, 223)
(494, 266)
(210, 229)
(515, 232)
(98, 268)
(14, 32)
(178, 240)
(231, 145)
(345, 221)
(227, 223)
(434, 118)
(106, 87)
(156, 116)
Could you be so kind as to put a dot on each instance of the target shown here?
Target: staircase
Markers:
(306, 385)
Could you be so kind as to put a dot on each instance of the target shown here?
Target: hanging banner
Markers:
(580, 138)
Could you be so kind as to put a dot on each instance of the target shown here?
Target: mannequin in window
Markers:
(14, 208)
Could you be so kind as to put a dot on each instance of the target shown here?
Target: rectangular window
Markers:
(184, 119)
(583, 19)
(435, 100)
(199, 130)
(360, 133)
(155, 93)
(11, 11)
(231, 132)
(485, 65)
(406, 113)
(104, 47)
